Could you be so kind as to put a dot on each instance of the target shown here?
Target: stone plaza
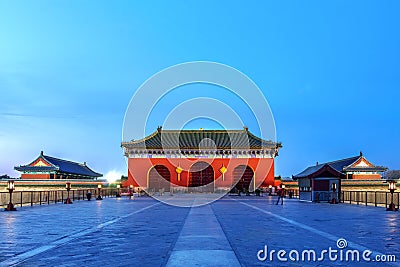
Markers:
(232, 231)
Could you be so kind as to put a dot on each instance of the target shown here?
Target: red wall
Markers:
(138, 169)
(366, 176)
(35, 176)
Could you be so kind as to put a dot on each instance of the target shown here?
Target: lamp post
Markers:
(392, 188)
(130, 191)
(11, 187)
(68, 187)
(334, 200)
(99, 192)
(118, 191)
(269, 190)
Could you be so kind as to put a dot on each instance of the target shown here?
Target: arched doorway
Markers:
(159, 178)
(201, 177)
(242, 176)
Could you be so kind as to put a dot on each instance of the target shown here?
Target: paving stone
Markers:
(144, 232)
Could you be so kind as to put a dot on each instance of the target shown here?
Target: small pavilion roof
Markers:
(59, 165)
(339, 167)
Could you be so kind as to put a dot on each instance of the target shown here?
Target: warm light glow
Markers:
(118, 186)
(392, 185)
(11, 185)
(113, 176)
(334, 186)
(99, 186)
(270, 186)
(283, 186)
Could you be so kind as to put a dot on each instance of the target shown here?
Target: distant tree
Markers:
(392, 174)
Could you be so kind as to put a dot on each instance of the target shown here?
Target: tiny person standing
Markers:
(281, 194)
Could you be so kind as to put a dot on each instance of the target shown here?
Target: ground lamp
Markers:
(392, 188)
(334, 200)
(99, 193)
(118, 191)
(68, 187)
(270, 190)
(11, 187)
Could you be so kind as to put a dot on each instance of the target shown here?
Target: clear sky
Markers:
(330, 71)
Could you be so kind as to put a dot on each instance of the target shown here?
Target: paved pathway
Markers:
(202, 242)
(229, 232)
(300, 226)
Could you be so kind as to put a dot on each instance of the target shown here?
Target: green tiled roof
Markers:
(193, 139)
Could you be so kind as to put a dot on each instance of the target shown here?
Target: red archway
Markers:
(242, 176)
(159, 178)
(201, 177)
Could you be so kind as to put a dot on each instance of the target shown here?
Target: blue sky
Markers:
(329, 70)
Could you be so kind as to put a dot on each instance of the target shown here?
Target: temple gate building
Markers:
(317, 183)
(48, 168)
(200, 160)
